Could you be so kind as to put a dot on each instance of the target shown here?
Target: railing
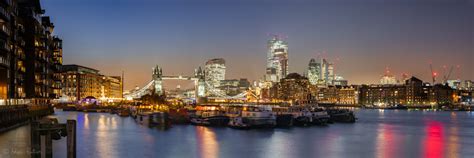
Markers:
(4, 102)
(4, 61)
(5, 30)
(4, 45)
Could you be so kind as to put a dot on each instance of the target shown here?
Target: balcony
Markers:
(4, 61)
(22, 69)
(4, 13)
(4, 45)
(4, 29)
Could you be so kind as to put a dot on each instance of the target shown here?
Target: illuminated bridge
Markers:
(201, 87)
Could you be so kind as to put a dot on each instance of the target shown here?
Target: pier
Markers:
(17, 115)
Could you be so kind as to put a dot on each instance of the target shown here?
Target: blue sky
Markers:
(179, 35)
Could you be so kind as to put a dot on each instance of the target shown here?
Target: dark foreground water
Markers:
(377, 133)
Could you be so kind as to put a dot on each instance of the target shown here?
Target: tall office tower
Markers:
(214, 72)
(277, 60)
(314, 72)
(324, 70)
(330, 73)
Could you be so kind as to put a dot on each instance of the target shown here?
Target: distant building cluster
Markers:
(296, 89)
(320, 84)
(389, 79)
(80, 82)
(214, 74)
(461, 85)
(209, 82)
(277, 85)
(321, 72)
(30, 54)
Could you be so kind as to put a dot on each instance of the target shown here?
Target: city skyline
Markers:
(365, 36)
(236, 78)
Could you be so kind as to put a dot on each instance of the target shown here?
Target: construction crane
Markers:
(449, 75)
(458, 72)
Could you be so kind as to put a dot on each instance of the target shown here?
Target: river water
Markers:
(377, 133)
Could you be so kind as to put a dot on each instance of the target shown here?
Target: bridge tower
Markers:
(157, 80)
(200, 83)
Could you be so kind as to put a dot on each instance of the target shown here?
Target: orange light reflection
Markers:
(207, 142)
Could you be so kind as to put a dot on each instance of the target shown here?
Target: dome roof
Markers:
(295, 76)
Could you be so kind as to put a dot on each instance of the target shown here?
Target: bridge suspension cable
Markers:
(213, 91)
(141, 92)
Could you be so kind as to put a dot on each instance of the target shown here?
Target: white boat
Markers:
(302, 117)
(237, 122)
(320, 117)
(210, 116)
(258, 117)
(152, 118)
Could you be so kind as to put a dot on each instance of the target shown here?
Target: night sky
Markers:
(363, 37)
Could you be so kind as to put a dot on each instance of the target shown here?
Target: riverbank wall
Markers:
(17, 115)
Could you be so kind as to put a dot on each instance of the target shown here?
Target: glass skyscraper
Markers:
(277, 60)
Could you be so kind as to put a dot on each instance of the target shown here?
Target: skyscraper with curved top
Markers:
(277, 59)
(314, 71)
(214, 71)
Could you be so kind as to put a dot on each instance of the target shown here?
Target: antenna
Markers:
(123, 79)
(458, 72)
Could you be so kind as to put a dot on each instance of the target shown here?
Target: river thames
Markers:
(377, 133)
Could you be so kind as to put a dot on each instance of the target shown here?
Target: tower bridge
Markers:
(201, 87)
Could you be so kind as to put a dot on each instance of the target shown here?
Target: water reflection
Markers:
(453, 142)
(208, 147)
(86, 120)
(386, 142)
(433, 143)
(106, 139)
(377, 134)
(333, 142)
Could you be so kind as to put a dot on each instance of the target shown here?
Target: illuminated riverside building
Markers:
(111, 88)
(30, 54)
(413, 93)
(277, 60)
(80, 82)
(339, 95)
(294, 88)
(214, 71)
